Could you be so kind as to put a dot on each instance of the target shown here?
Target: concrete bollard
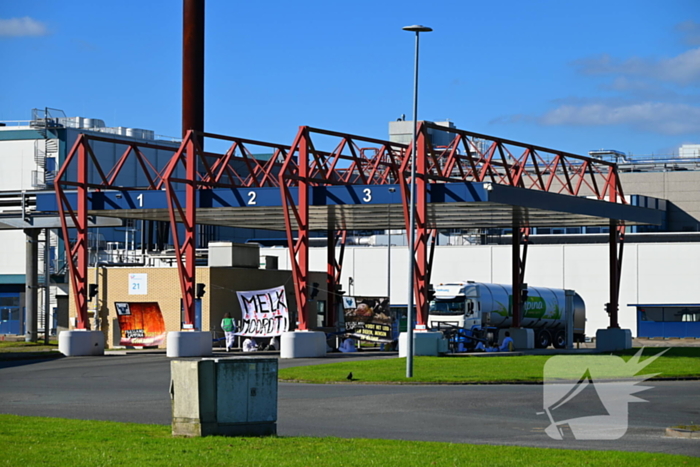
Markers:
(189, 344)
(80, 343)
(425, 343)
(303, 344)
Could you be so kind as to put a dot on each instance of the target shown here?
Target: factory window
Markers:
(10, 318)
(668, 321)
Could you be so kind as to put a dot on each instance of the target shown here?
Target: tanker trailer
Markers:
(478, 310)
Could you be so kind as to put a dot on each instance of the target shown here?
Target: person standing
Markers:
(229, 327)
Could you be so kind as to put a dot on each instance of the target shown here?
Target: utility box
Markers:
(224, 396)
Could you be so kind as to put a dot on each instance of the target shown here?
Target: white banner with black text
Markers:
(264, 312)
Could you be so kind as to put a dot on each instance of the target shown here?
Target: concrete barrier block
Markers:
(80, 343)
(612, 339)
(303, 344)
(523, 339)
(189, 344)
(424, 344)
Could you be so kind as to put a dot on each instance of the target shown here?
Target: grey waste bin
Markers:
(224, 396)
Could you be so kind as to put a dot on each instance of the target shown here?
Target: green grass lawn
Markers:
(34, 441)
(22, 346)
(678, 362)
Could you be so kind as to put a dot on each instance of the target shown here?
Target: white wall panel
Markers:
(669, 273)
(16, 165)
(586, 272)
(370, 271)
(13, 252)
(546, 264)
(502, 262)
(629, 289)
(461, 263)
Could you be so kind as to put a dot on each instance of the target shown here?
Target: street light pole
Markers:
(412, 207)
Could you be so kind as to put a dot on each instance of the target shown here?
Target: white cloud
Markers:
(625, 84)
(691, 32)
(22, 27)
(656, 117)
(646, 94)
(683, 69)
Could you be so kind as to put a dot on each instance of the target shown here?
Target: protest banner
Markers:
(140, 323)
(264, 312)
(368, 318)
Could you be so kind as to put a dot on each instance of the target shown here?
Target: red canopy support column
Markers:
(190, 241)
(432, 234)
(334, 270)
(76, 254)
(612, 305)
(519, 256)
(616, 244)
(420, 252)
(188, 218)
(299, 248)
(515, 272)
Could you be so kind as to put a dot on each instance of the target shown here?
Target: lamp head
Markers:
(417, 28)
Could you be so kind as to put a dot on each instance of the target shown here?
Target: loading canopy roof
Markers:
(368, 207)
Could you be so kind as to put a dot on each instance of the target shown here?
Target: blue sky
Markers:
(573, 76)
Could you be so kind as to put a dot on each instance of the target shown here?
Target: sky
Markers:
(574, 76)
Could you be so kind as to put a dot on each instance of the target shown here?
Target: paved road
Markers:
(134, 388)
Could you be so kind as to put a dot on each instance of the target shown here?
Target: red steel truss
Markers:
(205, 170)
(305, 166)
(74, 173)
(470, 157)
(480, 158)
(476, 157)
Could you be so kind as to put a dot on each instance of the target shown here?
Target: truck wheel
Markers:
(543, 339)
(560, 340)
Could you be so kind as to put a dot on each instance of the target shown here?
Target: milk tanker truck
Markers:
(475, 311)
